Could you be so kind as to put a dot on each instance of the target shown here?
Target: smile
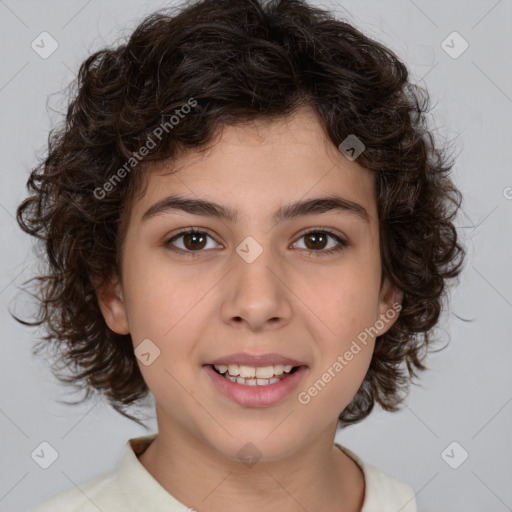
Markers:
(255, 386)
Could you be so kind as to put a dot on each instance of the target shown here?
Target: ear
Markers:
(390, 305)
(111, 302)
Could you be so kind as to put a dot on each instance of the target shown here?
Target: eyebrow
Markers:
(175, 203)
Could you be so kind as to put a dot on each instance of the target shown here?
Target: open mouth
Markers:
(250, 376)
(256, 386)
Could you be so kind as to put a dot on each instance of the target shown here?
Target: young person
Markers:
(246, 216)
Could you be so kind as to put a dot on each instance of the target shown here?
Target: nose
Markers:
(257, 294)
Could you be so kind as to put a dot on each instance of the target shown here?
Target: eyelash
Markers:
(342, 244)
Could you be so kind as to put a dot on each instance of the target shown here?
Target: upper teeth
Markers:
(260, 372)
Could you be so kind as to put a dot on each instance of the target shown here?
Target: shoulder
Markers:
(84, 498)
(128, 487)
(112, 491)
(383, 493)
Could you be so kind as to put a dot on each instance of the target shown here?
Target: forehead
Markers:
(257, 165)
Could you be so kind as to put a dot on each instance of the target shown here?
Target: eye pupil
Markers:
(316, 237)
(193, 236)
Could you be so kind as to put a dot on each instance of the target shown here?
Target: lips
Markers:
(251, 391)
(250, 394)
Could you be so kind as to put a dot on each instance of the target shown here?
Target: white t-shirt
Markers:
(131, 488)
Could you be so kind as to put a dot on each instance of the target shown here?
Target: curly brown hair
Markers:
(240, 60)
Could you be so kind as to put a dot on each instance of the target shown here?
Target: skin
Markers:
(307, 307)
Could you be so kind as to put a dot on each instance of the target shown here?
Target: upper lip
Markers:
(256, 360)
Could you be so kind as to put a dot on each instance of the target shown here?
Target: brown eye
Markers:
(318, 240)
(192, 242)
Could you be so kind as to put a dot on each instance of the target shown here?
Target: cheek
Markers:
(345, 299)
(158, 296)
(164, 307)
(346, 304)
(335, 381)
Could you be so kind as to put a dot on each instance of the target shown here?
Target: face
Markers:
(304, 286)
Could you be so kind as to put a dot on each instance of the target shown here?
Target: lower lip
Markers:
(256, 396)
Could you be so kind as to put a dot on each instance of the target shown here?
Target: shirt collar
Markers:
(142, 488)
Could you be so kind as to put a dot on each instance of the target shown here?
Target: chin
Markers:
(265, 443)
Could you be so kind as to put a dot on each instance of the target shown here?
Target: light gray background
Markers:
(464, 397)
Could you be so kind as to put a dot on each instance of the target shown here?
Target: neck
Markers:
(319, 476)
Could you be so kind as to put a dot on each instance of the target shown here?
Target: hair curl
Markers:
(240, 60)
